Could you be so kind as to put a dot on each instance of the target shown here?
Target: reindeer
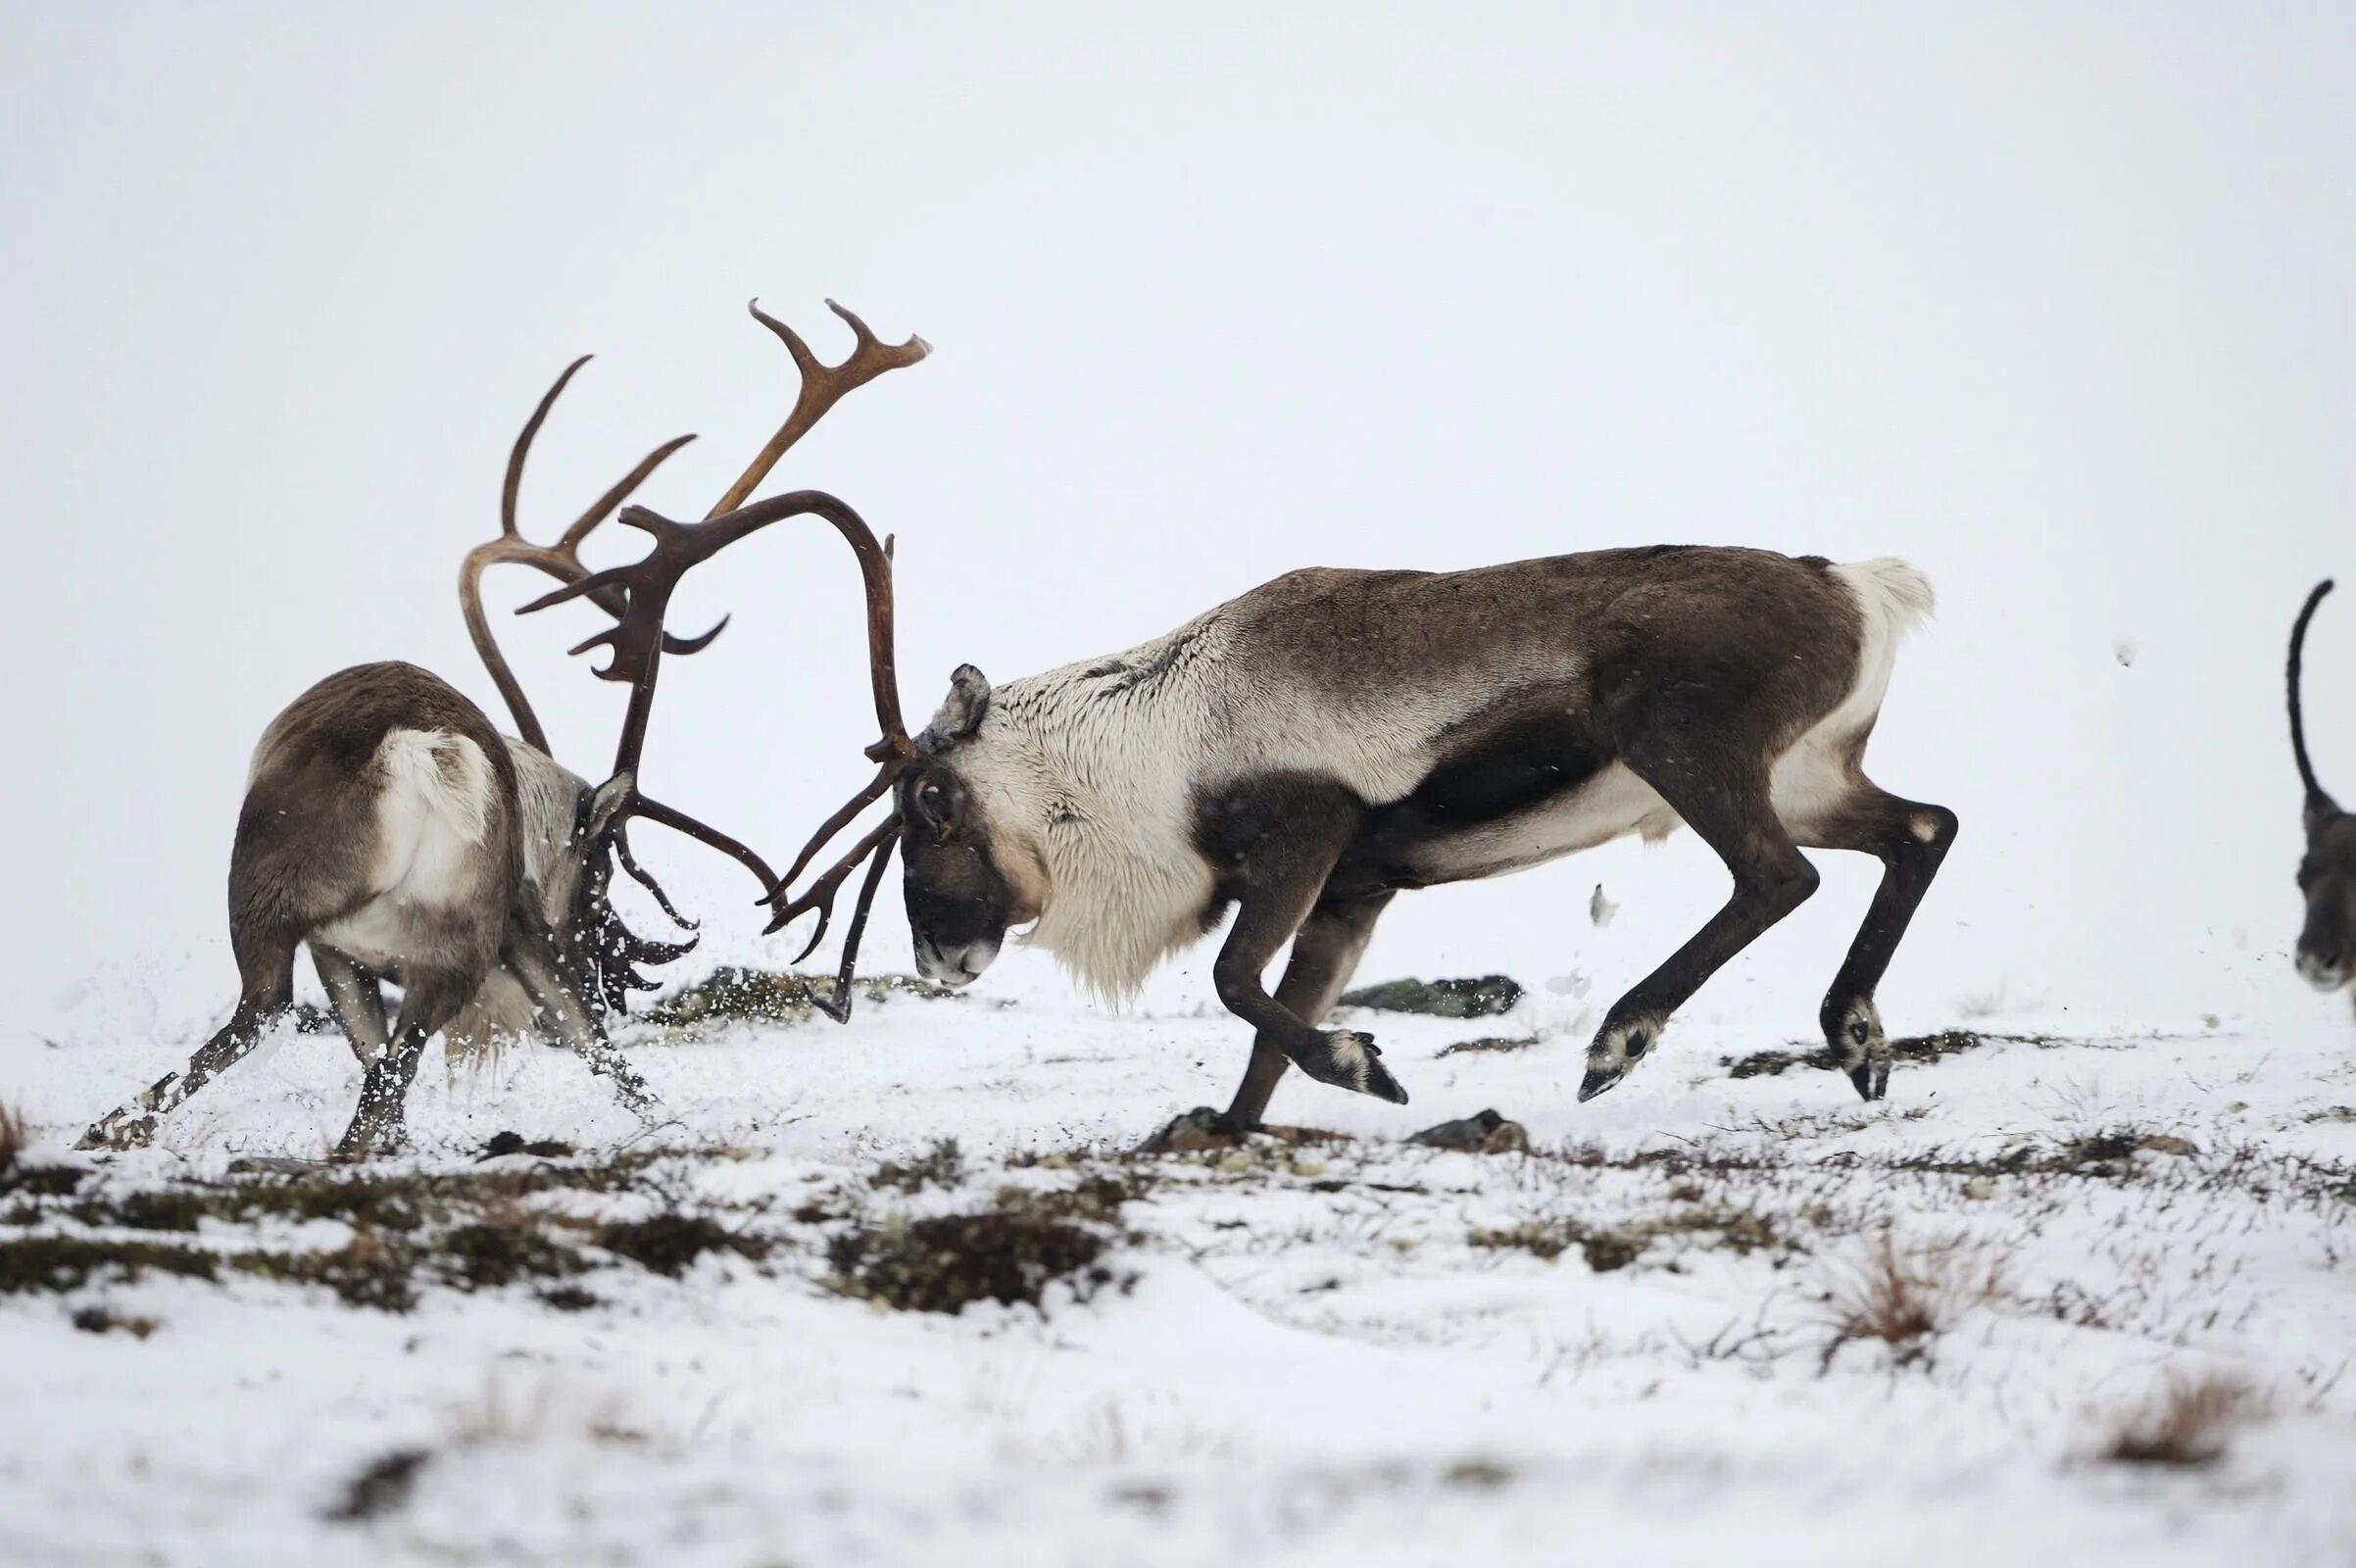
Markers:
(392, 829)
(1304, 752)
(2327, 952)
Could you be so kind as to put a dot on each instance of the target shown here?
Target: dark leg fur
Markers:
(265, 971)
(1325, 954)
(1772, 878)
(428, 1002)
(1910, 840)
(1279, 876)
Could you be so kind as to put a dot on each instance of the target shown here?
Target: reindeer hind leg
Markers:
(357, 1000)
(266, 991)
(1732, 813)
(1910, 839)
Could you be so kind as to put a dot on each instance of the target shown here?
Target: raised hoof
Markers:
(1597, 1080)
(1348, 1059)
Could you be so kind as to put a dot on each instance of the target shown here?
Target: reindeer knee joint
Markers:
(1787, 887)
(1932, 826)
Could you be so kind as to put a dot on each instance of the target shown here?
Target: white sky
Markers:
(2055, 302)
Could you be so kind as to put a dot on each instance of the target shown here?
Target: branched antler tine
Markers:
(524, 447)
(645, 949)
(838, 1007)
(681, 823)
(867, 796)
(822, 386)
(603, 506)
(645, 878)
(615, 578)
(803, 361)
(819, 895)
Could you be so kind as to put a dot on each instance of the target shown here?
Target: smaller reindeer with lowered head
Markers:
(393, 830)
(2327, 952)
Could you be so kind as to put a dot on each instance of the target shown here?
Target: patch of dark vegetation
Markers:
(102, 1319)
(1489, 1042)
(1096, 1199)
(61, 1263)
(42, 1181)
(471, 1230)
(1485, 996)
(1477, 1475)
(16, 1176)
(1009, 1253)
(1917, 1048)
(669, 1243)
(164, 1210)
(384, 1485)
(1609, 1248)
(2106, 1154)
(942, 1166)
(511, 1142)
(744, 995)
(368, 1271)
(502, 1249)
(570, 1298)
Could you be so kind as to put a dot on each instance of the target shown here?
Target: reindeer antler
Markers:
(636, 641)
(822, 387)
(561, 561)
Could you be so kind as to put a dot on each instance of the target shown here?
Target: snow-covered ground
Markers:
(1343, 1352)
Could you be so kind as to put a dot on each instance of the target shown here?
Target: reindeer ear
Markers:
(961, 714)
(611, 796)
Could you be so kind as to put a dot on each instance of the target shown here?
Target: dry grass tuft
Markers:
(13, 1135)
(2187, 1423)
(1906, 1296)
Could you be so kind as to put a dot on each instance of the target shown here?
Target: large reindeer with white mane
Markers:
(1305, 752)
(391, 828)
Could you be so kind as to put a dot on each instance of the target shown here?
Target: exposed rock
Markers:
(1491, 1042)
(1203, 1129)
(1484, 998)
(1484, 1133)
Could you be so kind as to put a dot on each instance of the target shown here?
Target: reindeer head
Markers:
(967, 880)
(2326, 953)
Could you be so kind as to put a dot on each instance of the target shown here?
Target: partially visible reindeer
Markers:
(1306, 750)
(392, 829)
(2327, 952)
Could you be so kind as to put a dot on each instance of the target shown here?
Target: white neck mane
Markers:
(1088, 767)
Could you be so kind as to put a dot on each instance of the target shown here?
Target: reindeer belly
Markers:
(1610, 802)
